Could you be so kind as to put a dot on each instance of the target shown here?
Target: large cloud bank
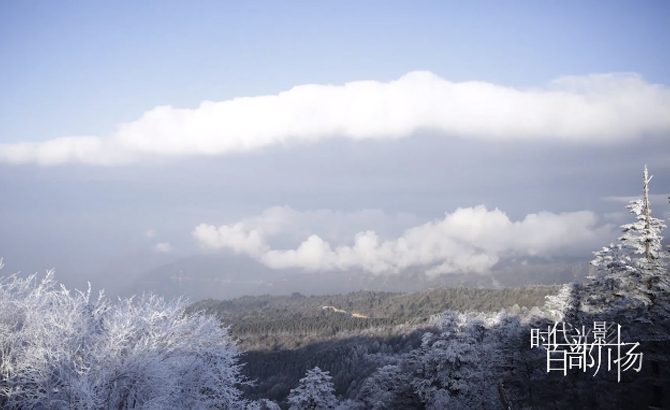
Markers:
(467, 240)
(596, 109)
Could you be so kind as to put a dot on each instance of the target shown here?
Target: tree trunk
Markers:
(647, 222)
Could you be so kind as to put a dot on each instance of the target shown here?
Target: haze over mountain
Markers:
(227, 276)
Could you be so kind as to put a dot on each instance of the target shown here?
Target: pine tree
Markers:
(633, 270)
(455, 368)
(315, 392)
(388, 387)
(613, 272)
(643, 237)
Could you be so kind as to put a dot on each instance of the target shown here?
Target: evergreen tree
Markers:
(613, 273)
(388, 388)
(643, 237)
(631, 288)
(315, 392)
(632, 271)
(455, 369)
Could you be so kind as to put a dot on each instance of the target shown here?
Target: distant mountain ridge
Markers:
(227, 276)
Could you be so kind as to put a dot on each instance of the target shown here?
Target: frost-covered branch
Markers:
(66, 350)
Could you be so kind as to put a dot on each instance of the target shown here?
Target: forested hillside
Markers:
(274, 322)
(449, 360)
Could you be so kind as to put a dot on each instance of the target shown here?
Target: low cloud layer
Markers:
(467, 240)
(594, 109)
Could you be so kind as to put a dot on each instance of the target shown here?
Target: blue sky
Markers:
(517, 139)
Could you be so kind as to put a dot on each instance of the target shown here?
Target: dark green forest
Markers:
(284, 336)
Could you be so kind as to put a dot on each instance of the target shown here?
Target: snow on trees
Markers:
(611, 259)
(263, 404)
(564, 304)
(457, 368)
(315, 392)
(386, 388)
(633, 269)
(63, 350)
(613, 273)
(643, 236)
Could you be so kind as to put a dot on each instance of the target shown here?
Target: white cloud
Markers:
(467, 240)
(163, 247)
(150, 233)
(238, 237)
(287, 225)
(596, 109)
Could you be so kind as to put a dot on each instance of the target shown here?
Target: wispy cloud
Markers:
(655, 199)
(163, 247)
(283, 224)
(467, 240)
(590, 109)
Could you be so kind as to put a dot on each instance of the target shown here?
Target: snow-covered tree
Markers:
(564, 304)
(66, 350)
(643, 237)
(611, 259)
(455, 368)
(633, 271)
(386, 388)
(263, 404)
(315, 392)
(613, 273)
